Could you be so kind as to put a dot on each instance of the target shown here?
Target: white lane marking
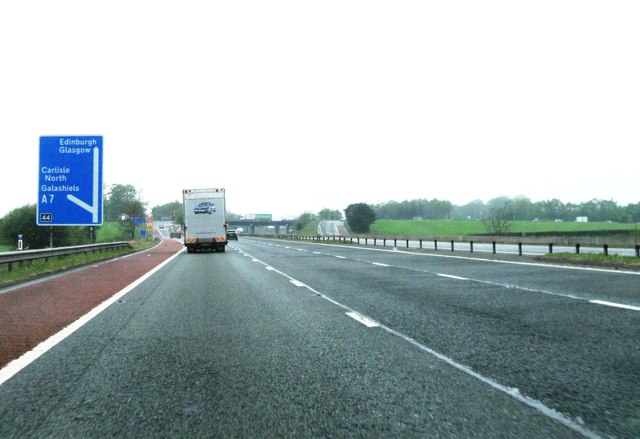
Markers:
(450, 276)
(468, 258)
(502, 285)
(510, 391)
(364, 320)
(615, 305)
(341, 257)
(316, 253)
(297, 283)
(23, 361)
(269, 268)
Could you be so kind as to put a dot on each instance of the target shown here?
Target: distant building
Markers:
(582, 219)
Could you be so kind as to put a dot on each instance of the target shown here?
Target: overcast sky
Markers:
(294, 106)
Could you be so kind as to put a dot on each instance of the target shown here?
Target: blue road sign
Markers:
(70, 181)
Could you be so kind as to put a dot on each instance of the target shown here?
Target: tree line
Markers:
(516, 209)
(122, 203)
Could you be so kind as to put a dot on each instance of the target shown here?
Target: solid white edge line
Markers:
(615, 305)
(15, 366)
(380, 265)
(297, 283)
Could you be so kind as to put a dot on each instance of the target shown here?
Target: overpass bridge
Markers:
(250, 225)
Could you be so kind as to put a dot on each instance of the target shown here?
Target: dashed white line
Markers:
(615, 305)
(450, 276)
(512, 392)
(502, 285)
(364, 320)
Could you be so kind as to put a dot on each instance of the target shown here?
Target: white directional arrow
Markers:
(93, 209)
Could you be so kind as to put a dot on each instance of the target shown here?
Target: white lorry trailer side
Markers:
(205, 225)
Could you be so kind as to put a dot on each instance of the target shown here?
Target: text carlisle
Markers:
(55, 170)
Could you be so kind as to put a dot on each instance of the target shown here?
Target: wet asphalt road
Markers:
(275, 339)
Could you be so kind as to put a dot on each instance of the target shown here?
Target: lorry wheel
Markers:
(222, 249)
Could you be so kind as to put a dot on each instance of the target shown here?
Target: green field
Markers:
(412, 228)
(462, 227)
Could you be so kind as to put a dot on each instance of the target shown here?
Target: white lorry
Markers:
(205, 225)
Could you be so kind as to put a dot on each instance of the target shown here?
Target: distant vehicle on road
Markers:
(232, 235)
(205, 207)
(208, 231)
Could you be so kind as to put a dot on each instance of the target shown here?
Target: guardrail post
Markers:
(550, 247)
(375, 241)
(577, 249)
(366, 241)
(637, 251)
(451, 245)
(493, 245)
(395, 242)
(435, 244)
(520, 249)
(407, 243)
(421, 244)
(606, 249)
(384, 242)
(471, 243)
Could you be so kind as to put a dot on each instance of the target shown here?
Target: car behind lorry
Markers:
(205, 226)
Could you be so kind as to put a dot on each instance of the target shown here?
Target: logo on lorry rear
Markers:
(205, 207)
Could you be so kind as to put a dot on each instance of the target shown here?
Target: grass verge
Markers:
(39, 268)
(593, 260)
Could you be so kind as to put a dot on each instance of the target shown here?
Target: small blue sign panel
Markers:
(70, 181)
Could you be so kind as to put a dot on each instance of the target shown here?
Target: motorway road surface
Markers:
(332, 228)
(277, 339)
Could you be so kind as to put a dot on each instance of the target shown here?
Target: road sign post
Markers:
(70, 181)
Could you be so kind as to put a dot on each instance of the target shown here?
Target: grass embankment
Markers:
(109, 232)
(34, 269)
(593, 260)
